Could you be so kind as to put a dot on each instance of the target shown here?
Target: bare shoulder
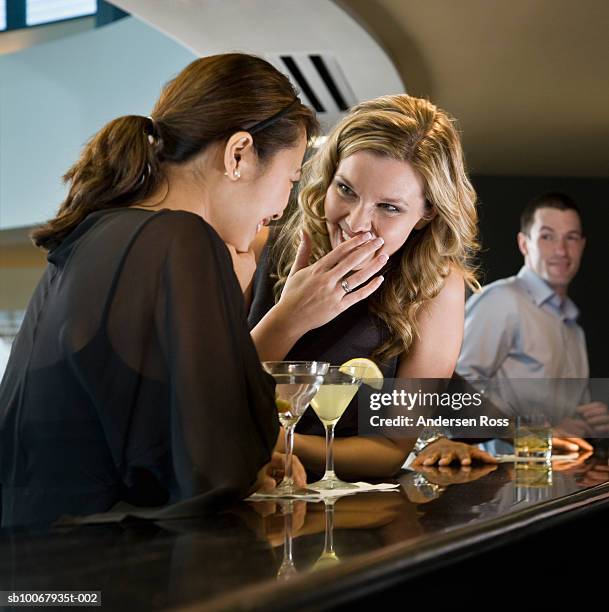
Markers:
(435, 351)
(455, 281)
(453, 291)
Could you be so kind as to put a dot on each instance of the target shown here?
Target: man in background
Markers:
(525, 326)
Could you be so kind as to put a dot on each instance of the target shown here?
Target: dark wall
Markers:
(107, 13)
(501, 200)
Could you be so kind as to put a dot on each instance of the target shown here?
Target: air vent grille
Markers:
(319, 78)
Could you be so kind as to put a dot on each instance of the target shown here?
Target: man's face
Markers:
(554, 246)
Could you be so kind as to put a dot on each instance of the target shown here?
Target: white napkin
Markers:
(320, 495)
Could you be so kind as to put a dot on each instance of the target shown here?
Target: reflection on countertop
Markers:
(264, 552)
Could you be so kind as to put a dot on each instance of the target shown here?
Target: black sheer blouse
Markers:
(133, 377)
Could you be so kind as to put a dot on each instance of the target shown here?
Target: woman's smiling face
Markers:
(374, 193)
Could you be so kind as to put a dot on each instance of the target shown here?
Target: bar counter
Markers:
(357, 546)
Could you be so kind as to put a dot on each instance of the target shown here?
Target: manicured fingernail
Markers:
(383, 258)
(378, 242)
(381, 278)
(367, 236)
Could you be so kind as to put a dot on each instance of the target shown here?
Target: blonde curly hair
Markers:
(409, 129)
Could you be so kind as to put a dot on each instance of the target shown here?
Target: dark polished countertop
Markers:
(245, 559)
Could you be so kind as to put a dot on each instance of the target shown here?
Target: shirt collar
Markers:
(541, 292)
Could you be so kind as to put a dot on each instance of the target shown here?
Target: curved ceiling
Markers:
(528, 80)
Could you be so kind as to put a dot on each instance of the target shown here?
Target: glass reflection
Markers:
(213, 560)
(328, 557)
(532, 481)
(287, 569)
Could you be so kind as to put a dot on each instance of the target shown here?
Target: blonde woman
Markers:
(391, 174)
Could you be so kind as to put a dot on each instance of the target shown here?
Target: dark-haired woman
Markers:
(133, 378)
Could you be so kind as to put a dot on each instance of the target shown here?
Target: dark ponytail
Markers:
(118, 167)
(211, 99)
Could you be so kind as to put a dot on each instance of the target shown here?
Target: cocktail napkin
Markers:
(320, 495)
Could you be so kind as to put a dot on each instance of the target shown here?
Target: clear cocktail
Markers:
(297, 382)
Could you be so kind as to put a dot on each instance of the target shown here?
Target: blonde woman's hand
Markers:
(313, 294)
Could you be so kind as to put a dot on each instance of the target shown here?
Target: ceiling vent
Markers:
(320, 81)
(330, 58)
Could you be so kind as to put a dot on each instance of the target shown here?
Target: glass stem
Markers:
(287, 533)
(329, 452)
(329, 535)
(289, 449)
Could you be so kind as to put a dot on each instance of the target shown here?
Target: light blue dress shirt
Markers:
(519, 328)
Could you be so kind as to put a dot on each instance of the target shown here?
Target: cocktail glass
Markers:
(297, 382)
(336, 392)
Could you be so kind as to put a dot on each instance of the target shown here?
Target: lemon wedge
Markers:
(372, 375)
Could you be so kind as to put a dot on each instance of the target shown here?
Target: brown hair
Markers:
(551, 199)
(211, 99)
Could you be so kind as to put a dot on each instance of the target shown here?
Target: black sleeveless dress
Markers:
(354, 333)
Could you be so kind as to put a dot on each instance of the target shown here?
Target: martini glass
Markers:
(297, 382)
(338, 389)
